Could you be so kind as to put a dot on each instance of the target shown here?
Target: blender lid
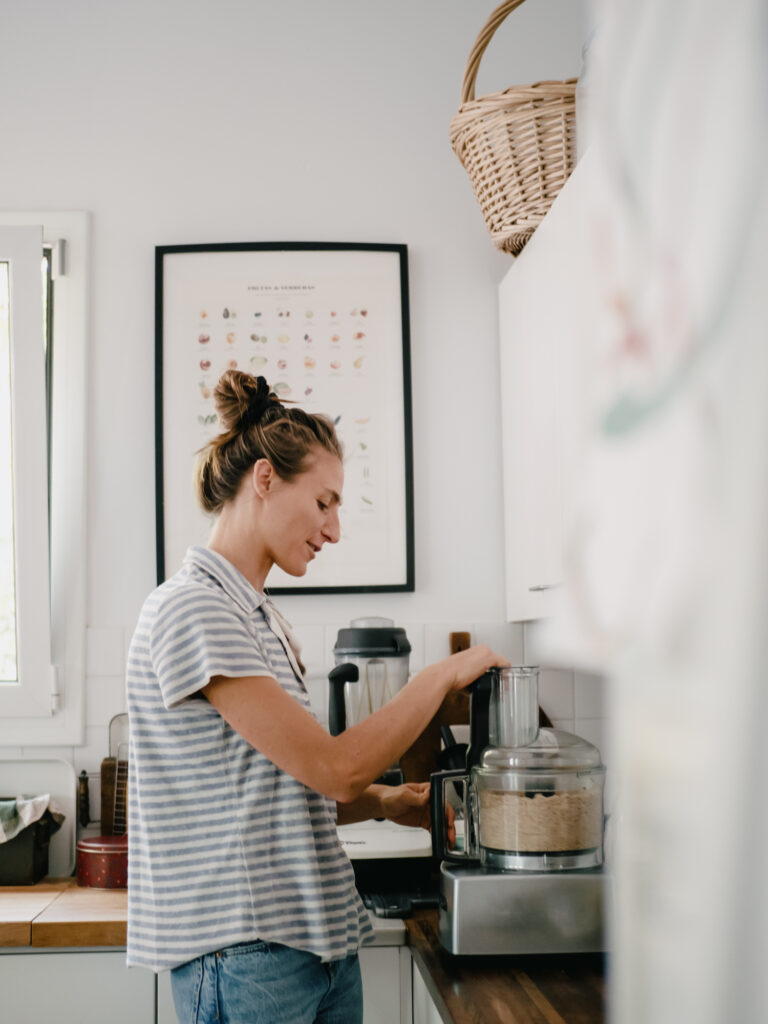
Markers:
(372, 638)
(552, 749)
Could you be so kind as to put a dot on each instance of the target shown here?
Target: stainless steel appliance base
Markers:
(503, 912)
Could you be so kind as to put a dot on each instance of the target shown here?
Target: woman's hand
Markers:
(407, 804)
(466, 666)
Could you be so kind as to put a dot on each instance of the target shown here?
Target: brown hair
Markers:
(256, 425)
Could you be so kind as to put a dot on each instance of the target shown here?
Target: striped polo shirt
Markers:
(223, 846)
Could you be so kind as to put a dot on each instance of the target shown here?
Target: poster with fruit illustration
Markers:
(327, 325)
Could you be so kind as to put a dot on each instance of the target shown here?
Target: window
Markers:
(42, 477)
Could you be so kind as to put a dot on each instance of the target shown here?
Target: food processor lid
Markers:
(372, 637)
(552, 750)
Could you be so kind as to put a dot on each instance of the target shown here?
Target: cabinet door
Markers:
(547, 302)
(424, 1009)
(383, 984)
(166, 1014)
(75, 988)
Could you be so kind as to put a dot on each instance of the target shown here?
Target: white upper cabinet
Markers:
(547, 303)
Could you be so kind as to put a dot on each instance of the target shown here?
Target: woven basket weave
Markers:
(517, 146)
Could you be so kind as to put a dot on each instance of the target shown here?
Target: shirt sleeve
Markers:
(196, 635)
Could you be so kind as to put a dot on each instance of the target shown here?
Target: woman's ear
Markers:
(262, 477)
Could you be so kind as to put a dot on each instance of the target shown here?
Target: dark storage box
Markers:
(24, 859)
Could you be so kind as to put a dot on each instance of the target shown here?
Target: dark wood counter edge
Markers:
(506, 989)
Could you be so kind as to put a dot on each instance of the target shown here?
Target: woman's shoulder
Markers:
(186, 595)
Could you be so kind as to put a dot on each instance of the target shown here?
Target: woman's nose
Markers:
(331, 529)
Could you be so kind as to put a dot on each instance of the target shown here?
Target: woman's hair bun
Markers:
(241, 400)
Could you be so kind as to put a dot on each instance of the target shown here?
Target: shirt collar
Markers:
(230, 579)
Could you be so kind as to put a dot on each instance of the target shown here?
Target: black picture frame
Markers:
(304, 279)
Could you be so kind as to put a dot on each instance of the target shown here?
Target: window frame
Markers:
(60, 697)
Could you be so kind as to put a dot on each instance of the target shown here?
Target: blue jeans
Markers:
(267, 983)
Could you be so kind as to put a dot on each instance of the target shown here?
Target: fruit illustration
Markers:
(309, 314)
(258, 361)
(232, 364)
(363, 312)
(231, 338)
(282, 388)
(204, 339)
(203, 314)
(205, 364)
(307, 391)
(309, 363)
(358, 362)
(308, 339)
(205, 391)
(282, 364)
(259, 337)
(335, 364)
(358, 335)
(336, 338)
(354, 313)
(283, 338)
(225, 313)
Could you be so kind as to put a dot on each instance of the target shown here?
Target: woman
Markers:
(237, 880)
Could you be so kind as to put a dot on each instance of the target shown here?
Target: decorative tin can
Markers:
(102, 862)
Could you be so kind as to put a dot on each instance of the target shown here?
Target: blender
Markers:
(372, 656)
(371, 667)
(525, 872)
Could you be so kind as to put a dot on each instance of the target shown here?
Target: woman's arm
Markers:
(405, 805)
(341, 767)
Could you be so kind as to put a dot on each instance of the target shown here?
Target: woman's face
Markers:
(302, 514)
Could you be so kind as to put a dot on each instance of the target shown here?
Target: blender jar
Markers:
(380, 652)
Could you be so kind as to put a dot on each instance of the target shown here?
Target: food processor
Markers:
(525, 872)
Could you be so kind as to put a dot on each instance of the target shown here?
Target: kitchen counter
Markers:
(466, 990)
(57, 912)
(506, 989)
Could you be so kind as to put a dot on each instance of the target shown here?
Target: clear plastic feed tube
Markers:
(515, 707)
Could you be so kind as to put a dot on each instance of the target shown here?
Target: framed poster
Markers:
(327, 324)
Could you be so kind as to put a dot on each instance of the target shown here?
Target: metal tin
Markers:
(102, 862)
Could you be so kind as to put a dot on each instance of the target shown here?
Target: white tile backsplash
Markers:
(437, 639)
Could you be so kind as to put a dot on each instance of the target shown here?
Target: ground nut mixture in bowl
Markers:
(568, 820)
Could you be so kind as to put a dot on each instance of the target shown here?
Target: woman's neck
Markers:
(234, 540)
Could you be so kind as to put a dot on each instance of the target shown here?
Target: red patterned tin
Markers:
(102, 862)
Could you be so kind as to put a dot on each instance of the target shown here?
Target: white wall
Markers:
(177, 121)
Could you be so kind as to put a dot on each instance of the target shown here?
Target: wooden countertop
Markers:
(506, 989)
(58, 912)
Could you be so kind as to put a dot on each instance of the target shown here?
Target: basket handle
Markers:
(481, 43)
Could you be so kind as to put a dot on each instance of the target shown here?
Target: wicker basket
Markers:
(517, 146)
